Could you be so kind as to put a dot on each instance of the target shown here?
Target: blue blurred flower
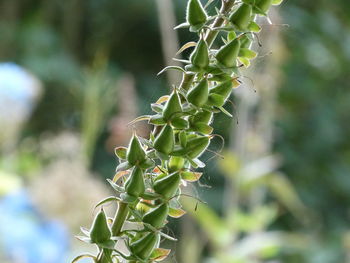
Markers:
(26, 236)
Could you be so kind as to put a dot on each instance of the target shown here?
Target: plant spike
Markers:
(156, 166)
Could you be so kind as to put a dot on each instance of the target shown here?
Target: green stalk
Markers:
(187, 80)
(219, 21)
(193, 137)
(118, 222)
(119, 218)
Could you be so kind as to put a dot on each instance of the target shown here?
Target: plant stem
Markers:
(219, 21)
(119, 218)
(187, 80)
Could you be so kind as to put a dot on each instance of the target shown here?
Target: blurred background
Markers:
(73, 73)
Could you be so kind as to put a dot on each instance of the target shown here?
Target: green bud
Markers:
(157, 216)
(202, 116)
(175, 163)
(202, 128)
(144, 246)
(200, 56)
(179, 123)
(263, 5)
(191, 136)
(135, 153)
(242, 17)
(135, 185)
(182, 138)
(231, 35)
(224, 89)
(168, 185)
(172, 106)
(198, 95)
(196, 146)
(100, 231)
(227, 55)
(164, 143)
(216, 100)
(195, 15)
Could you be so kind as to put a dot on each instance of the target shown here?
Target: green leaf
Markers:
(120, 152)
(247, 53)
(162, 99)
(171, 67)
(179, 123)
(284, 191)
(119, 175)
(215, 228)
(254, 27)
(116, 187)
(157, 120)
(185, 61)
(123, 166)
(190, 176)
(225, 111)
(196, 163)
(231, 36)
(256, 220)
(178, 151)
(140, 118)
(245, 61)
(216, 100)
(176, 212)
(186, 46)
(183, 25)
(160, 254)
(157, 107)
(167, 236)
(203, 128)
(107, 200)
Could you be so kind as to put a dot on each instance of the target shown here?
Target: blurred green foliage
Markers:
(313, 119)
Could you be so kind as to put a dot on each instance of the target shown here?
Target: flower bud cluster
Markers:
(154, 169)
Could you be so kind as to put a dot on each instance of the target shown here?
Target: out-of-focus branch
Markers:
(169, 37)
